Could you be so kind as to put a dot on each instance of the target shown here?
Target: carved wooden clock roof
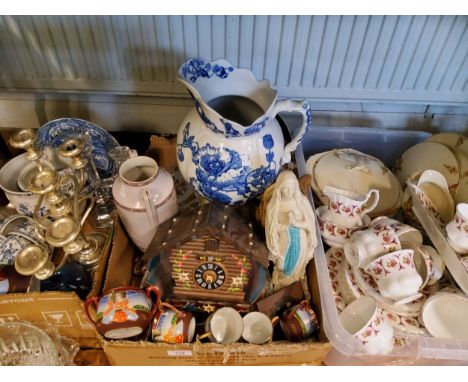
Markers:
(212, 219)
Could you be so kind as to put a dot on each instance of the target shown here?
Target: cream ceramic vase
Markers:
(145, 196)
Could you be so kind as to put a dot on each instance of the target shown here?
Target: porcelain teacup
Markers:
(172, 326)
(365, 321)
(396, 276)
(123, 312)
(258, 328)
(348, 208)
(428, 263)
(457, 229)
(405, 232)
(225, 326)
(365, 246)
(299, 322)
(23, 228)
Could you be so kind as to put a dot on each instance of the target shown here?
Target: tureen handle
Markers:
(291, 106)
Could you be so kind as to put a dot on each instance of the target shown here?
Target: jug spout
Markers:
(229, 100)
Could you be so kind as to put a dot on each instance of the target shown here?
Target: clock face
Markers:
(209, 275)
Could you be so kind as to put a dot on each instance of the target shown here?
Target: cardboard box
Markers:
(145, 353)
(64, 310)
(277, 353)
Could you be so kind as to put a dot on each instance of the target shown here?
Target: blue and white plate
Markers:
(54, 133)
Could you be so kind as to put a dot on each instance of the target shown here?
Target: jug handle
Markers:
(150, 209)
(291, 106)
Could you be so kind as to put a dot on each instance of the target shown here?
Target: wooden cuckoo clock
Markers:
(209, 258)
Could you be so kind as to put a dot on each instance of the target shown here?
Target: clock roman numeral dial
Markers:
(209, 275)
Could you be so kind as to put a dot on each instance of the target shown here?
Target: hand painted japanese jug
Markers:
(230, 146)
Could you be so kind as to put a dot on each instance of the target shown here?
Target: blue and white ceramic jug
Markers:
(230, 146)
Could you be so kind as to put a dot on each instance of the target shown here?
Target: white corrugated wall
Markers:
(352, 62)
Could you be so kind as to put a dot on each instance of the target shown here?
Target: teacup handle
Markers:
(173, 308)
(274, 321)
(157, 292)
(373, 196)
(291, 106)
(204, 335)
(93, 300)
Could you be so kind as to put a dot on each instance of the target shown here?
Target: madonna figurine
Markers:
(290, 231)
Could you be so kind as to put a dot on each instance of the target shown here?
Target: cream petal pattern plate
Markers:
(429, 156)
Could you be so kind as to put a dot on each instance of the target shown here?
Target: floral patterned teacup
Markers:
(123, 312)
(172, 326)
(405, 232)
(365, 246)
(457, 229)
(396, 276)
(365, 321)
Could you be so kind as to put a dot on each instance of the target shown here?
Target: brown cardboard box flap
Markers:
(278, 353)
(63, 310)
(120, 265)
